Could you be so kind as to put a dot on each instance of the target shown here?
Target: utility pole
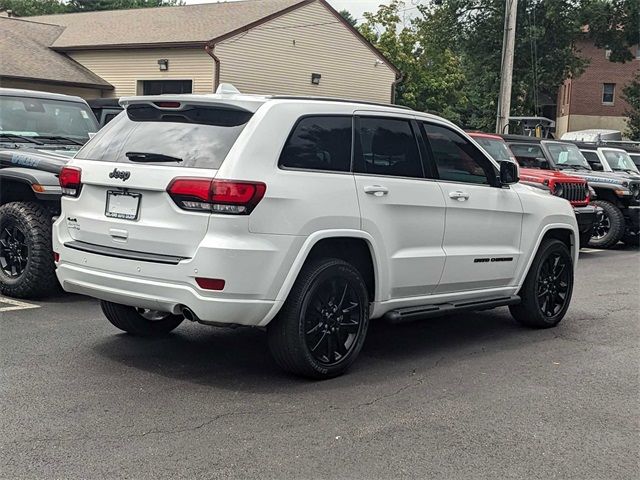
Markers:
(506, 71)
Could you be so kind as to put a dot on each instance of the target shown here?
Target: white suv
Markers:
(305, 216)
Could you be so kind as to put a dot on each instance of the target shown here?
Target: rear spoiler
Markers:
(183, 102)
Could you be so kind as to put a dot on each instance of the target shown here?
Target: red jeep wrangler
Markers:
(574, 189)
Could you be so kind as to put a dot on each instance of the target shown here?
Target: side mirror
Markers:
(597, 166)
(509, 173)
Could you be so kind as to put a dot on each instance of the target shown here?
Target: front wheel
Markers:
(546, 292)
(610, 229)
(322, 326)
(26, 257)
(139, 321)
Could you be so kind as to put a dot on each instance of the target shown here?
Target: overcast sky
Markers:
(356, 7)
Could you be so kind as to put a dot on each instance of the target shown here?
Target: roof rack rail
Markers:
(333, 99)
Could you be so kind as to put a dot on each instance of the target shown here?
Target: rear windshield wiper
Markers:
(60, 137)
(21, 137)
(151, 157)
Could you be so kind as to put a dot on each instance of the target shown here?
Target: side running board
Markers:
(409, 314)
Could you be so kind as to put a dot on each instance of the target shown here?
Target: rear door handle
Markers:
(458, 195)
(377, 190)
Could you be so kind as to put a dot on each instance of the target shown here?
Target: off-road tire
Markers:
(38, 278)
(286, 333)
(528, 312)
(131, 321)
(617, 225)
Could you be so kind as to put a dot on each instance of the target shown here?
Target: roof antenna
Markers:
(227, 88)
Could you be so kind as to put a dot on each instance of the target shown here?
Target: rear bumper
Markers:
(161, 295)
(253, 267)
(586, 217)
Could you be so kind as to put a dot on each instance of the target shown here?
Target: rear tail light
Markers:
(70, 180)
(216, 196)
(210, 283)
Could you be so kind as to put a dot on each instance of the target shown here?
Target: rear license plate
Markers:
(122, 205)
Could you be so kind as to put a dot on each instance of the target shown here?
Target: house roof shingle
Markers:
(25, 53)
(188, 24)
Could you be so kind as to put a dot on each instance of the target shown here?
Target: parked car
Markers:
(39, 132)
(573, 189)
(105, 109)
(233, 209)
(608, 159)
(618, 194)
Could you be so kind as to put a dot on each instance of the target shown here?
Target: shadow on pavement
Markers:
(239, 359)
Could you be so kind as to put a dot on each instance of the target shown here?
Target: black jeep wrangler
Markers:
(617, 193)
(39, 132)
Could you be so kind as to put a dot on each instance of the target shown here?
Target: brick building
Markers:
(594, 99)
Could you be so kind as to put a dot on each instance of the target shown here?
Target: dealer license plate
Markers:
(123, 205)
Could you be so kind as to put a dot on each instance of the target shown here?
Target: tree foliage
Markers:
(614, 25)
(27, 8)
(346, 14)
(450, 51)
(631, 94)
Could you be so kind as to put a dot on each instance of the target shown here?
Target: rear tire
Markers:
(610, 230)
(137, 322)
(547, 289)
(322, 325)
(26, 256)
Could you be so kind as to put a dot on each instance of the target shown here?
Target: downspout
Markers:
(209, 48)
(394, 84)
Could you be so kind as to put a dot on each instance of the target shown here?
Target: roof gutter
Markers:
(209, 48)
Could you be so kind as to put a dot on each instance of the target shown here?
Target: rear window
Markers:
(319, 143)
(200, 137)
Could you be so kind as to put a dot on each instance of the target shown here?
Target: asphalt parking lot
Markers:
(471, 396)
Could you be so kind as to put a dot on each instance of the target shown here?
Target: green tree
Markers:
(91, 5)
(614, 25)
(346, 14)
(631, 94)
(26, 8)
(432, 77)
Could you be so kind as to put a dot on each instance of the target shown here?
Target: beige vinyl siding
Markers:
(43, 86)
(126, 67)
(279, 56)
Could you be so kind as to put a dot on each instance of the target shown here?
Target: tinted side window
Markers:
(387, 147)
(319, 143)
(592, 157)
(527, 155)
(457, 159)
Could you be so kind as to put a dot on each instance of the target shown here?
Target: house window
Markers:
(159, 87)
(608, 91)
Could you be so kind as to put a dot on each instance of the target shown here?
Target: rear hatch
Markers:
(127, 167)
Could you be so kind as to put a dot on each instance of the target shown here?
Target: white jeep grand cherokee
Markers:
(305, 216)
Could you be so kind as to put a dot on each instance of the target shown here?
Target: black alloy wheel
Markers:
(332, 313)
(602, 228)
(14, 249)
(553, 284)
(608, 231)
(319, 331)
(546, 292)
